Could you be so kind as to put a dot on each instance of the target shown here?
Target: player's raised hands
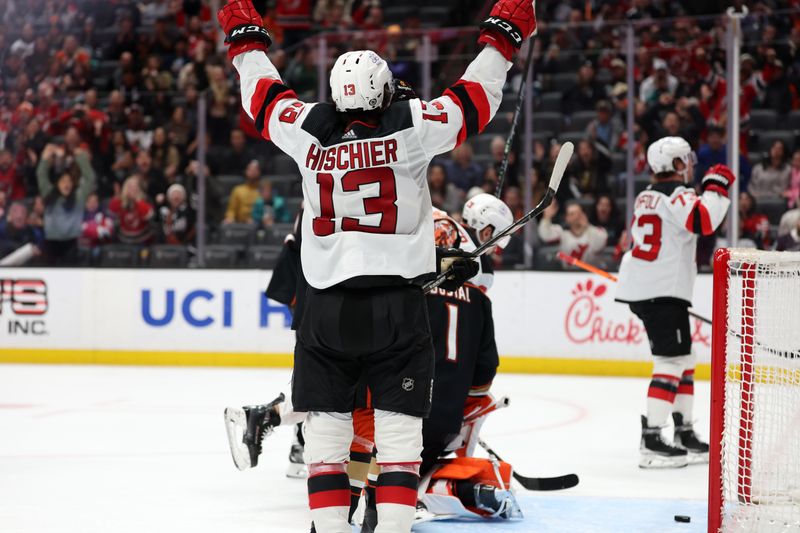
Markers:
(719, 178)
(243, 27)
(508, 25)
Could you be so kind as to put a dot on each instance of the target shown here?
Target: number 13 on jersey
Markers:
(384, 204)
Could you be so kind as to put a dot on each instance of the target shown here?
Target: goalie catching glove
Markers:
(243, 27)
(508, 25)
(719, 179)
(460, 265)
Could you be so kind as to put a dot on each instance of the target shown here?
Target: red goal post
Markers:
(754, 462)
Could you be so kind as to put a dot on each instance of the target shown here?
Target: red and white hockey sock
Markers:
(661, 396)
(684, 400)
(396, 497)
(329, 497)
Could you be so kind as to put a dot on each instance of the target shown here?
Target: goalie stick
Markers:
(566, 481)
(560, 166)
(501, 176)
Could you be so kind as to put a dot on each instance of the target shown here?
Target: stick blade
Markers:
(548, 483)
(560, 166)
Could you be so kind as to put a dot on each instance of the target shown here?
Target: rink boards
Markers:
(560, 323)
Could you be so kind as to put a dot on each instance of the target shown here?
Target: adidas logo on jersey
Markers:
(349, 136)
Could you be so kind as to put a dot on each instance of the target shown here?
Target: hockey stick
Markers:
(501, 176)
(568, 259)
(564, 155)
(537, 483)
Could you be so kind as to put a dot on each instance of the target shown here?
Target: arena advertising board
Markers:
(57, 315)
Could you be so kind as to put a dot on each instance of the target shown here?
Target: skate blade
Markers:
(661, 462)
(297, 471)
(698, 458)
(235, 427)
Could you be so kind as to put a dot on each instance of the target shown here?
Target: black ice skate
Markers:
(247, 427)
(686, 438)
(297, 467)
(658, 453)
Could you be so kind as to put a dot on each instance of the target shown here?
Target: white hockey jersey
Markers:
(586, 246)
(667, 218)
(365, 186)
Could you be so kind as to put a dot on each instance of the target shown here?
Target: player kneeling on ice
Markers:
(368, 244)
(656, 278)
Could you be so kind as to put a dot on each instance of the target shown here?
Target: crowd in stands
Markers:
(99, 119)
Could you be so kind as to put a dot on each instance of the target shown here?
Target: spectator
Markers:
(138, 135)
(658, 83)
(177, 218)
(269, 207)
(233, 159)
(133, 213)
(770, 178)
(97, 227)
(580, 240)
(791, 241)
(36, 216)
(10, 181)
(17, 232)
(164, 155)
(605, 215)
(715, 152)
(152, 180)
(754, 225)
(3, 207)
(588, 172)
(792, 192)
(244, 196)
(179, 129)
(606, 128)
(585, 94)
(63, 206)
(788, 221)
(444, 195)
(497, 149)
(301, 74)
(462, 171)
(513, 199)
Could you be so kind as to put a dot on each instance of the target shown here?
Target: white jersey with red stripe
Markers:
(667, 219)
(587, 246)
(367, 201)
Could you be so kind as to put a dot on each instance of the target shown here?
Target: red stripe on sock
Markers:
(329, 498)
(398, 495)
(661, 394)
(686, 389)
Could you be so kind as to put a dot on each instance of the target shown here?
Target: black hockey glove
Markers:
(403, 91)
(460, 265)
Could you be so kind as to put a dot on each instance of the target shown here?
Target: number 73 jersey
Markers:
(667, 219)
(366, 199)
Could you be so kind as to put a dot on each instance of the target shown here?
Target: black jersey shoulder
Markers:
(325, 124)
(666, 187)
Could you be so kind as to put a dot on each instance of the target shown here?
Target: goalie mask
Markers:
(483, 211)
(662, 154)
(361, 81)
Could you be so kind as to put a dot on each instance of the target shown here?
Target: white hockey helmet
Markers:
(484, 210)
(361, 81)
(662, 154)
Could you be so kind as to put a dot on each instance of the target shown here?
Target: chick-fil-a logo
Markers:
(585, 322)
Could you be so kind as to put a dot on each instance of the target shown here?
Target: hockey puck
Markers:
(683, 518)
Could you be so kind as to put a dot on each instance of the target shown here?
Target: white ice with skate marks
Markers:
(89, 449)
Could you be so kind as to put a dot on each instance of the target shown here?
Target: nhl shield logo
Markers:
(408, 384)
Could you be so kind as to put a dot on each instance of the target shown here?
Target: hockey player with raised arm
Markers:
(367, 244)
(656, 278)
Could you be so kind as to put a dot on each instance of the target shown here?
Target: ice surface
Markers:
(90, 449)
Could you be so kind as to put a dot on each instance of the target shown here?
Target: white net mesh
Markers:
(761, 432)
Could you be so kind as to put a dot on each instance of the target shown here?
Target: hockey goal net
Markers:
(754, 470)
